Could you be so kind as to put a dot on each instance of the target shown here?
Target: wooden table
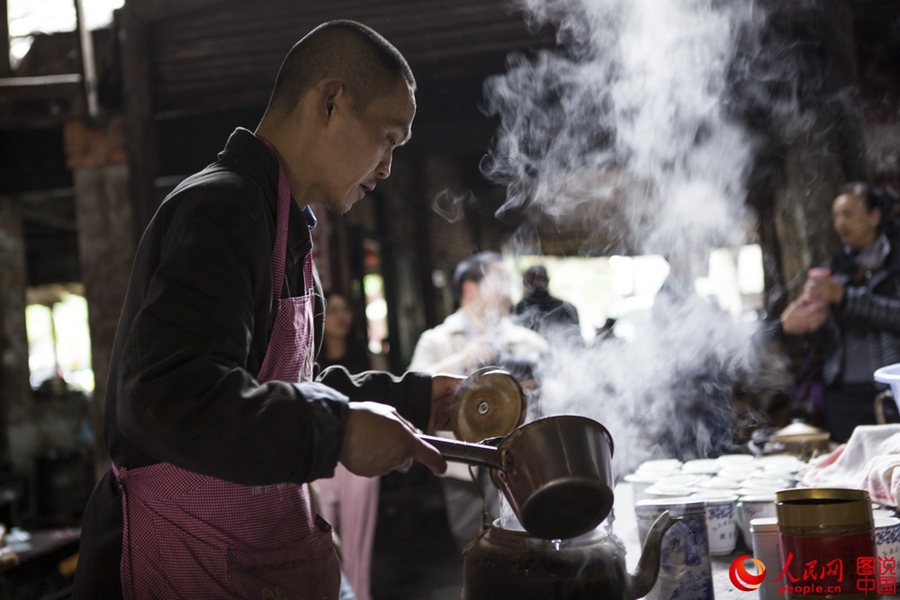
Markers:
(38, 575)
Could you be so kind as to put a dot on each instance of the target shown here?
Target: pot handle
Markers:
(465, 452)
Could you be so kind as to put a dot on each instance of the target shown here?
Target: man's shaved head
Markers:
(356, 55)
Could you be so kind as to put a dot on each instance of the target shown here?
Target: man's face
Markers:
(361, 146)
(494, 289)
(853, 222)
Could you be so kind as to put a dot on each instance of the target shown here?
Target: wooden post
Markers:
(5, 66)
(15, 390)
(795, 199)
(104, 215)
(140, 128)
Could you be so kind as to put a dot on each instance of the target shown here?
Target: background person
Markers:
(849, 311)
(861, 287)
(539, 311)
(478, 334)
(347, 501)
(213, 423)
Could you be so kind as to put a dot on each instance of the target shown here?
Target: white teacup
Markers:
(879, 513)
(721, 520)
(887, 541)
(660, 467)
(754, 507)
(742, 460)
(685, 569)
(660, 490)
(639, 484)
(735, 473)
(705, 466)
(682, 479)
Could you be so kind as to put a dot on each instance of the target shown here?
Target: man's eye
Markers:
(392, 142)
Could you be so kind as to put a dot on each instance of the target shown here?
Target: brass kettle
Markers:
(504, 564)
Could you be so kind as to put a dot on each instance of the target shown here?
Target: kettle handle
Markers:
(465, 452)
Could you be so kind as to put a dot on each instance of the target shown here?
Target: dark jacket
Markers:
(547, 315)
(191, 338)
(872, 304)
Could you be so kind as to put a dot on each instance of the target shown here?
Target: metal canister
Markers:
(827, 544)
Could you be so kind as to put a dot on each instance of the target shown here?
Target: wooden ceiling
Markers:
(226, 53)
(210, 54)
(214, 55)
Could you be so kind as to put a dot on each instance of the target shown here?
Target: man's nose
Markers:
(384, 167)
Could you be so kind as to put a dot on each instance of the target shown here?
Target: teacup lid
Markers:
(711, 496)
(760, 498)
(683, 505)
(641, 478)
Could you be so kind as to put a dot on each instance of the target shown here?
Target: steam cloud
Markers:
(627, 128)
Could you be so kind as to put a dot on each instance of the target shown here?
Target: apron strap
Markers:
(281, 227)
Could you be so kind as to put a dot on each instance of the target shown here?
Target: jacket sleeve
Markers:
(184, 393)
(878, 311)
(409, 394)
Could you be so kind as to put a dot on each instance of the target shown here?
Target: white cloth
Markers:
(870, 460)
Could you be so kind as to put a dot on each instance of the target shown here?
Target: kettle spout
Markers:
(644, 577)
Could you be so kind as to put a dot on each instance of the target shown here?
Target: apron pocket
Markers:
(306, 568)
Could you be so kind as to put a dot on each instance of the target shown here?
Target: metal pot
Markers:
(556, 473)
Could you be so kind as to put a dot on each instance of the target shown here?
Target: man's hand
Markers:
(377, 440)
(443, 392)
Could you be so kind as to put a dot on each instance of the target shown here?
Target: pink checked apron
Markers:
(192, 536)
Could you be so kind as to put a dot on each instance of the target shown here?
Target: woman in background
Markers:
(347, 501)
(861, 287)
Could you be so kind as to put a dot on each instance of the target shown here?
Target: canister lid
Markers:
(823, 507)
(764, 525)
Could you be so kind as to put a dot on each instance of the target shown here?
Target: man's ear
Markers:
(332, 94)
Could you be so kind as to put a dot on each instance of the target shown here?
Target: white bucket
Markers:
(890, 375)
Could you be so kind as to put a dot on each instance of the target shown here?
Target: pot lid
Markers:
(798, 431)
(489, 403)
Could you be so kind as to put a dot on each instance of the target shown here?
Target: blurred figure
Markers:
(539, 311)
(859, 294)
(347, 501)
(703, 422)
(478, 334)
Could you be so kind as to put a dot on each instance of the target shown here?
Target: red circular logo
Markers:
(744, 580)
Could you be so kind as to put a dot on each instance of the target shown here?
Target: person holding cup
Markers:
(860, 287)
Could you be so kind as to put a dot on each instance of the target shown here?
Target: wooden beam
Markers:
(154, 10)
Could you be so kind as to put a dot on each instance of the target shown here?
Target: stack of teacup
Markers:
(735, 488)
